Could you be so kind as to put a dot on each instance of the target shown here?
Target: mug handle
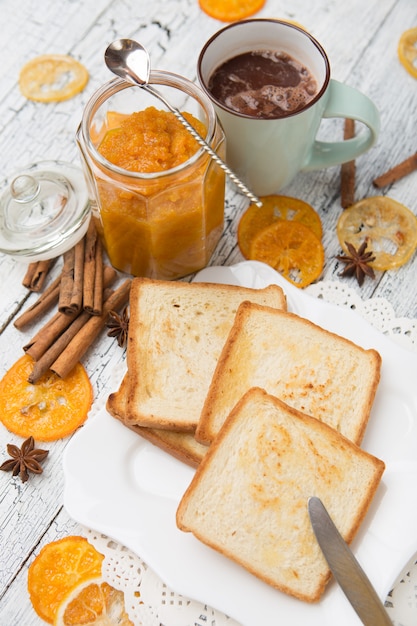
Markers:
(346, 102)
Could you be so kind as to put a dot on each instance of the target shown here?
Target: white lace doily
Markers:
(377, 311)
(149, 602)
(401, 602)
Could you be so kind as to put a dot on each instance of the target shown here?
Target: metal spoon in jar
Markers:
(130, 60)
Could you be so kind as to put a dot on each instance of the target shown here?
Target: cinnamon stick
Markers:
(348, 170)
(43, 364)
(46, 336)
(71, 293)
(52, 330)
(93, 272)
(36, 274)
(45, 301)
(396, 173)
(88, 333)
(98, 286)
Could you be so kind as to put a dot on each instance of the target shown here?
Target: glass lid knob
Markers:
(24, 188)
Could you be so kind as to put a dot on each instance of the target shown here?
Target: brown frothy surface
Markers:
(264, 84)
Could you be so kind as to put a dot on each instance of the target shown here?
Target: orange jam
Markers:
(150, 141)
(167, 224)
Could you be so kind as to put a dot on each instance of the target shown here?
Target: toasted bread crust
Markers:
(248, 498)
(182, 446)
(176, 333)
(310, 368)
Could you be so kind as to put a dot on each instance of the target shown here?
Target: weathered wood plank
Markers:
(361, 40)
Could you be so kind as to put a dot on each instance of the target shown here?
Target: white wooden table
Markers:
(361, 40)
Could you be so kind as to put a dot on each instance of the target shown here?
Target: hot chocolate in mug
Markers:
(266, 148)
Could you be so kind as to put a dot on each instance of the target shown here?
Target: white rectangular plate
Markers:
(123, 486)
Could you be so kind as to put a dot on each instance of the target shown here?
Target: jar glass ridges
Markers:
(162, 224)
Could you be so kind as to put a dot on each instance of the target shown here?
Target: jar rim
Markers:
(261, 24)
(156, 77)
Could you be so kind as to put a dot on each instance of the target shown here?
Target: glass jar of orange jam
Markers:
(157, 197)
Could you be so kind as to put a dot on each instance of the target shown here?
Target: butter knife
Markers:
(345, 568)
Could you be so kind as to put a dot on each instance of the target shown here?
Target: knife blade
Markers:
(345, 568)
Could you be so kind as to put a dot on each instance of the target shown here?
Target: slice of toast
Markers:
(182, 446)
(176, 333)
(248, 498)
(309, 368)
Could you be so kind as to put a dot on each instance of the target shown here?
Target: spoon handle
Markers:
(206, 146)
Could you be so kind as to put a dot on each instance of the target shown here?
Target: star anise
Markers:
(357, 264)
(24, 460)
(118, 326)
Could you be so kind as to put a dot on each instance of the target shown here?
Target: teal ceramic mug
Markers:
(267, 153)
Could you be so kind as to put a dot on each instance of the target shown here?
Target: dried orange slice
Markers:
(230, 10)
(407, 51)
(292, 249)
(50, 409)
(93, 602)
(52, 78)
(388, 227)
(274, 208)
(60, 567)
